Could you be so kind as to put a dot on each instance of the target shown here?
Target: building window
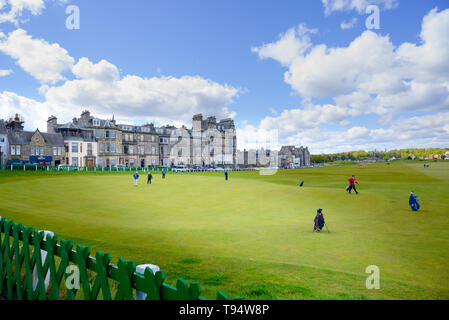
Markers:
(96, 122)
(152, 138)
(101, 146)
(59, 151)
(131, 162)
(142, 138)
(126, 137)
(153, 162)
(113, 162)
(131, 149)
(75, 161)
(112, 134)
(180, 153)
(97, 134)
(13, 150)
(113, 147)
(153, 150)
(89, 149)
(42, 151)
(100, 162)
(32, 151)
(55, 151)
(75, 147)
(142, 150)
(108, 147)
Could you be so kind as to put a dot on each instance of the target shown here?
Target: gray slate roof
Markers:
(53, 139)
(24, 138)
(68, 125)
(20, 137)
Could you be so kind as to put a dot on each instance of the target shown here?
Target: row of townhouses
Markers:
(89, 141)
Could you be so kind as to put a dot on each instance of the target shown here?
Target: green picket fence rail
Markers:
(23, 272)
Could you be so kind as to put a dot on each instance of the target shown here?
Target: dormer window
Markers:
(96, 122)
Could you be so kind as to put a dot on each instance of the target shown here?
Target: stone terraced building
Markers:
(89, 141)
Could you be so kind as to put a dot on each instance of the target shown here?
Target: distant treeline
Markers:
(380, 155)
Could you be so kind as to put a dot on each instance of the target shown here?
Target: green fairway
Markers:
(252, 235)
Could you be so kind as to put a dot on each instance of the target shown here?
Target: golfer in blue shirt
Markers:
(136, 176)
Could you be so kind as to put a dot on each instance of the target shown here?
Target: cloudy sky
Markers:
(308, 72)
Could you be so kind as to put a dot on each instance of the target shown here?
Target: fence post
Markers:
(141, 269)
(43, 256)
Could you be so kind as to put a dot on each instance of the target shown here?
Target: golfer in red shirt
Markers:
(352, 182)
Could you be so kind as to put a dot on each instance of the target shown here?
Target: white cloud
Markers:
(44, 61)
(13, 10)
(4, 73)
(34, 113)
(290, 45)
(345, 25)
(102, 71)
(291, 121)
(153, 99)
(357, 5)
(371, 75)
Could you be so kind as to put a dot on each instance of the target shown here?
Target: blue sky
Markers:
(165, 60)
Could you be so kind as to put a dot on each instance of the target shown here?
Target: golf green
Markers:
(252, 235)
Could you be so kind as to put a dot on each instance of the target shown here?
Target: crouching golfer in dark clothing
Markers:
(150, 176)
(319, 221)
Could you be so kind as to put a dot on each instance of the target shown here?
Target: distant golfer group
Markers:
(149, 178)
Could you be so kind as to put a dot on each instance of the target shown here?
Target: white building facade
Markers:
(4, 147)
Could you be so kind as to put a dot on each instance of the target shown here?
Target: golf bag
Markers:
(318, 224)
(413, 202)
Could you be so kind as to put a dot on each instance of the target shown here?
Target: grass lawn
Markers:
(252, 235)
